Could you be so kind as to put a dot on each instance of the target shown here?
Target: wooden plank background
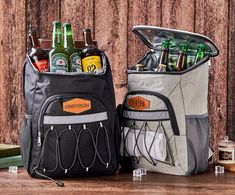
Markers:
(111, 22)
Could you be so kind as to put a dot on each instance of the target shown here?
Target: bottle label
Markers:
(41, 65)
(75, 61)
(172, 62)
(59, 63)
(92, 64)
(226, 155)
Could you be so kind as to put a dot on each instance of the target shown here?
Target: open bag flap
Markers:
(153, 37)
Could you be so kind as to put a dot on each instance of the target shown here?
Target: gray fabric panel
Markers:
(198, 135)
(74, 119)
(160, 115)
(195, 90)
(191, 158)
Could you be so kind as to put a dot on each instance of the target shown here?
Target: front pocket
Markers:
(81, 147)
(145, 143)
(147, 129)
(75, 144)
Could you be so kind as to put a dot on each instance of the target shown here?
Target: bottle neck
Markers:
(57, 40)
(165, 45)
(87, 38)
(34, 40)
(201, 50)
(68, 37)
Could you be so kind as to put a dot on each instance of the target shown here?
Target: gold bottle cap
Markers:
(162, 65)
(139, 66)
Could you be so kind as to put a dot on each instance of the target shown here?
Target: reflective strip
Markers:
(74, 119)
(158, 115)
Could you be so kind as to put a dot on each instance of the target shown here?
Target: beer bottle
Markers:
(164, 54)
(139, 67)
(91, 55)
(200, 53)
(37, 55)
(172, 62)
(74, 58)
(58, 55)
(182, 57)
(161, 68)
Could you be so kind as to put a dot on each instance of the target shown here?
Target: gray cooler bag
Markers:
(164, 117)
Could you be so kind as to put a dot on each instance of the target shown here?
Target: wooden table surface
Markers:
(122, 183)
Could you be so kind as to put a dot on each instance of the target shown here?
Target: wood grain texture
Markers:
(136, 49)
(215, 26)
(43, 13)
(231, 71)
(178, 14)
(12, 52)
(123, 183)
(111, 22)
(80, 14)
(111, 31)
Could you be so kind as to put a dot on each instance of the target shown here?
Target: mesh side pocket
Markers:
(26, 141)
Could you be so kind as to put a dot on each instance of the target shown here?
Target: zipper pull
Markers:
(39, 139)
(57, 182)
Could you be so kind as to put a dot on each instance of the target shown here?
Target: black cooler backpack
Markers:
(70, 127)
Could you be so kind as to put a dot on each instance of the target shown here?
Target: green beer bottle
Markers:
(200, 53)
(57, 55)
(182, 58)
(164, 54)
(74, 58)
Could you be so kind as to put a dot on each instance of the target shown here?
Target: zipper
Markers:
(53, 98)
(167, 102)
(57, 182)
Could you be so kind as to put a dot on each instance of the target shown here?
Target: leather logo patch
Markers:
(77, 105)
(138, 103)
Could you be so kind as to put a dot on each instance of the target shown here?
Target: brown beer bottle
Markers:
(164, 55)
(182, 57)
(37, 55)
(90, 55)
